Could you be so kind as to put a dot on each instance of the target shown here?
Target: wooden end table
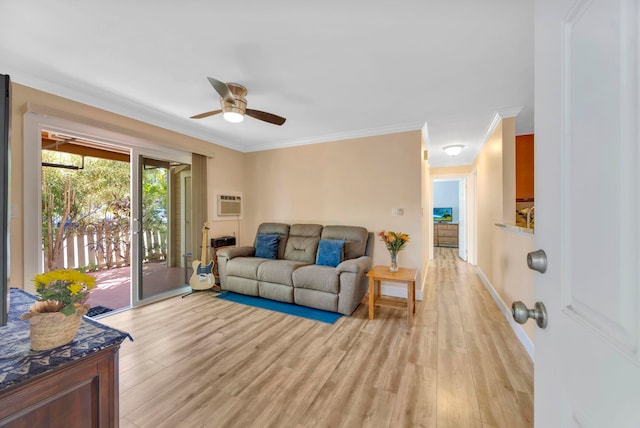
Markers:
(404, 275)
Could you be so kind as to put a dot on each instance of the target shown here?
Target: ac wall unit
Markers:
(229, 205)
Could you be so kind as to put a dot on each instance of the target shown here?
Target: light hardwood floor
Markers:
(202, 361)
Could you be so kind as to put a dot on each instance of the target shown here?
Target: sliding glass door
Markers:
(159, 222)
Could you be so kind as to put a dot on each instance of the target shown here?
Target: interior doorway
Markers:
(450, 221)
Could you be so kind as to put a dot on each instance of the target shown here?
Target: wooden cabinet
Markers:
(74, 385)
(445, 234)
(83, 393)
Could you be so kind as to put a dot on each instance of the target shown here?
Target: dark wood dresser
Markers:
(75, 385)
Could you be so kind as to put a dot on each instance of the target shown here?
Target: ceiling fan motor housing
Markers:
(239, 93)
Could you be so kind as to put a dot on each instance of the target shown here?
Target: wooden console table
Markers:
(404, 275)
(74, 385)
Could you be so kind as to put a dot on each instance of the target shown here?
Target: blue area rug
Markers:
(285, 308)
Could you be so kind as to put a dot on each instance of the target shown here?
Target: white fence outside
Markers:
(106, 248)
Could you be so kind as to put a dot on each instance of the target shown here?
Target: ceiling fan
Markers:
(234, 105)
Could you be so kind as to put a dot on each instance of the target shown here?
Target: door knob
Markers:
(521, 313)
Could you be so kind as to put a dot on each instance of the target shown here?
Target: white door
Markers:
(587, 361)
(462, 219)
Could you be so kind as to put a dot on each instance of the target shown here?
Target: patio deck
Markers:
(113, 286)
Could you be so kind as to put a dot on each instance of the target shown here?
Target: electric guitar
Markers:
(202, 277)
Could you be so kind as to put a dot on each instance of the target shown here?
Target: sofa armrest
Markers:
(361, 264)
(231, 252)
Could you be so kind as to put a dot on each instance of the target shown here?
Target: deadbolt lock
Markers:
(537, 260)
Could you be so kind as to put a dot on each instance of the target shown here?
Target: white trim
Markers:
(509, 112)
(517, 328)
(425, 136)
(468, 224)
(347, 135)
(62, 86)
(34, 123)
(120, 104)
(100, 132)
(497, 118)
(472, 216)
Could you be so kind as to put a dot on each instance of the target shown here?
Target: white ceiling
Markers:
(334, 68)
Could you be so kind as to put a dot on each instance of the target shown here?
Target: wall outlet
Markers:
(397, 212)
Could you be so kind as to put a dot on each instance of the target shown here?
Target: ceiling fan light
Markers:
(453, 150)
(232, 116)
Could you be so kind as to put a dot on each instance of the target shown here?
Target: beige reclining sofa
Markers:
(323, 267)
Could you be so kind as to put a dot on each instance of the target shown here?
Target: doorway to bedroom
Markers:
(450, 214)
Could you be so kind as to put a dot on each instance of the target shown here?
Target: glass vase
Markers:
(394, 261)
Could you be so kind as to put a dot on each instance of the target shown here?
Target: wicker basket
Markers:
(51, 330)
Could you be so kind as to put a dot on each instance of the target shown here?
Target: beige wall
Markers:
(350, 182)
(226, 174)
(512, 279)
(501, 251)
(427, 219)
(83, 114)
(509, 171)
(443, 172)
(489, 167)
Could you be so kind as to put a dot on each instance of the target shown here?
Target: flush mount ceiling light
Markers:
(453, 150)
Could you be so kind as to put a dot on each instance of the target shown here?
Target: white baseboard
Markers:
(506, 311)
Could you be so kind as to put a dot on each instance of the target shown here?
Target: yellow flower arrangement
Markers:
(394, 241)
(62, 289)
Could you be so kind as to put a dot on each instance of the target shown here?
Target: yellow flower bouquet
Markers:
(62, 290)
(394, 241)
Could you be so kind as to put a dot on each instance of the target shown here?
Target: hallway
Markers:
(220, 364)
(479, 359)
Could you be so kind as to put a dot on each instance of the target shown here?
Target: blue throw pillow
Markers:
(267, 246)
(330, 252)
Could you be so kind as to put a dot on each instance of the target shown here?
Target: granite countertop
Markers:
(18, 363)
(513, 227)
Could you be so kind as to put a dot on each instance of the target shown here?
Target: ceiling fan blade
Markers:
(266, 117)
(222, 89)
(206, 114)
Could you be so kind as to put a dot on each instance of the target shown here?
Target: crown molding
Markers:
(95, 97)
(497, 117)
(509, 112)
(347, 135)
(60, 85)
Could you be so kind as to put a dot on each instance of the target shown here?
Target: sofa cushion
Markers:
(354, 237)
(279, 292)
(278, 271)
(302, 243)
(330, 252)
(280, 229)
(241, 285)
(267, 246)
(245, 267)
(316, 299)
(320, 278)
